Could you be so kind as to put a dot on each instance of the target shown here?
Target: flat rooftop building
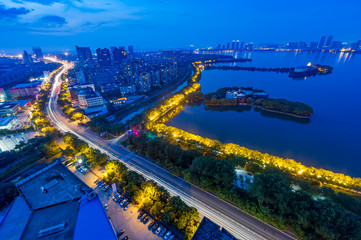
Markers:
(55, 204)
(209, 230)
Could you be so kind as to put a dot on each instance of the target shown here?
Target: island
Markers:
(293, 72)
(240, 96)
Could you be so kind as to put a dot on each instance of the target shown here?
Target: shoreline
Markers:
(265, 109)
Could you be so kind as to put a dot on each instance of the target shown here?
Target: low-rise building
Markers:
(90, 99)
(9, 109)
(54, 204)
(25, 90)
(7, 123)
(127, 89)
(119, 101)
(210, 230)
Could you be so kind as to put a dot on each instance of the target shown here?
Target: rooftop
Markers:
(51, 216)
(64, 186)
(5, 121)
(209, 230)
(25, 85)
(65, 208)
(15, 220)
(8, 105)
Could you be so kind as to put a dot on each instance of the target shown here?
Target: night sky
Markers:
(58, 25)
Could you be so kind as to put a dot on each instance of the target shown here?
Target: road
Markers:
(238, 223)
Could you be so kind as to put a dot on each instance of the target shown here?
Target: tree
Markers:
(157, 209)
(68, 152)
(8, 192)
(249, 100)
(253, 167)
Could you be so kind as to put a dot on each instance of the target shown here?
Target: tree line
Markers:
(270, 197)
(153, 198)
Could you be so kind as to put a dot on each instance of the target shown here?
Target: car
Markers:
(122, 203)
(99, 182)
(157, 231)
(162, 232)
(106, 187)
(140, 215)
(167, 235)
(155, 226)
(120, 233)
(143, 217)
(126, 207)
(171, 237)
(150, 225)
(145, 220)
(125, 238)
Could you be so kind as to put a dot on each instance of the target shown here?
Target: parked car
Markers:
(143, 217)
(150, 225)
(145, 220)
(167, 235)
(120, 233)
(106, 187)
(126, 207)
(162, 232)
(99, 182)
(157, 231)
(125, 238)
(122, 203)
(155, 226)
(140, 215)
(171, 237)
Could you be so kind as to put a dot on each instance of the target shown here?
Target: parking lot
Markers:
(120, 219)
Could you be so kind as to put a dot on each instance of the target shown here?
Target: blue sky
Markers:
(147, 24)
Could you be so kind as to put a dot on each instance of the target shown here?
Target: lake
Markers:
(331, 139)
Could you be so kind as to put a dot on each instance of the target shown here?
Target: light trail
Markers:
(238, 223)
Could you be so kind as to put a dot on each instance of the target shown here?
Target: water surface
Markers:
(331, 139)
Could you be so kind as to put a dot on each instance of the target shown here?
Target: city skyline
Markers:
(59, 25)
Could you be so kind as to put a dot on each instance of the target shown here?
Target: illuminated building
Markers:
(85, 57)
(329, 41)
(322, 42)
(103, 57)
(38, 53)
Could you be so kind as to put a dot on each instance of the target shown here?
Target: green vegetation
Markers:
(8, 192)
(283, 105)
(148, 195)
(26, 154)
(100, 124)
(270, 197)
(92, 157)
(75, 114)
(38, 113)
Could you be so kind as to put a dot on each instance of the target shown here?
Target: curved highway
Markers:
(238, 223)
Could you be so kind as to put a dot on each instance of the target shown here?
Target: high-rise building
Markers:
(313, 45)
(322, 42)
(233, 42)
(85, 57)
(38, 53)
(329, 41)
(302, 45)
(103, 55)
(228, 45)
(336, 45)
(241, 45)
(237, 44)
(219, 47)
(27, 58)
(223, 47)
(356, 45)
(119, 54)
(130, 51)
